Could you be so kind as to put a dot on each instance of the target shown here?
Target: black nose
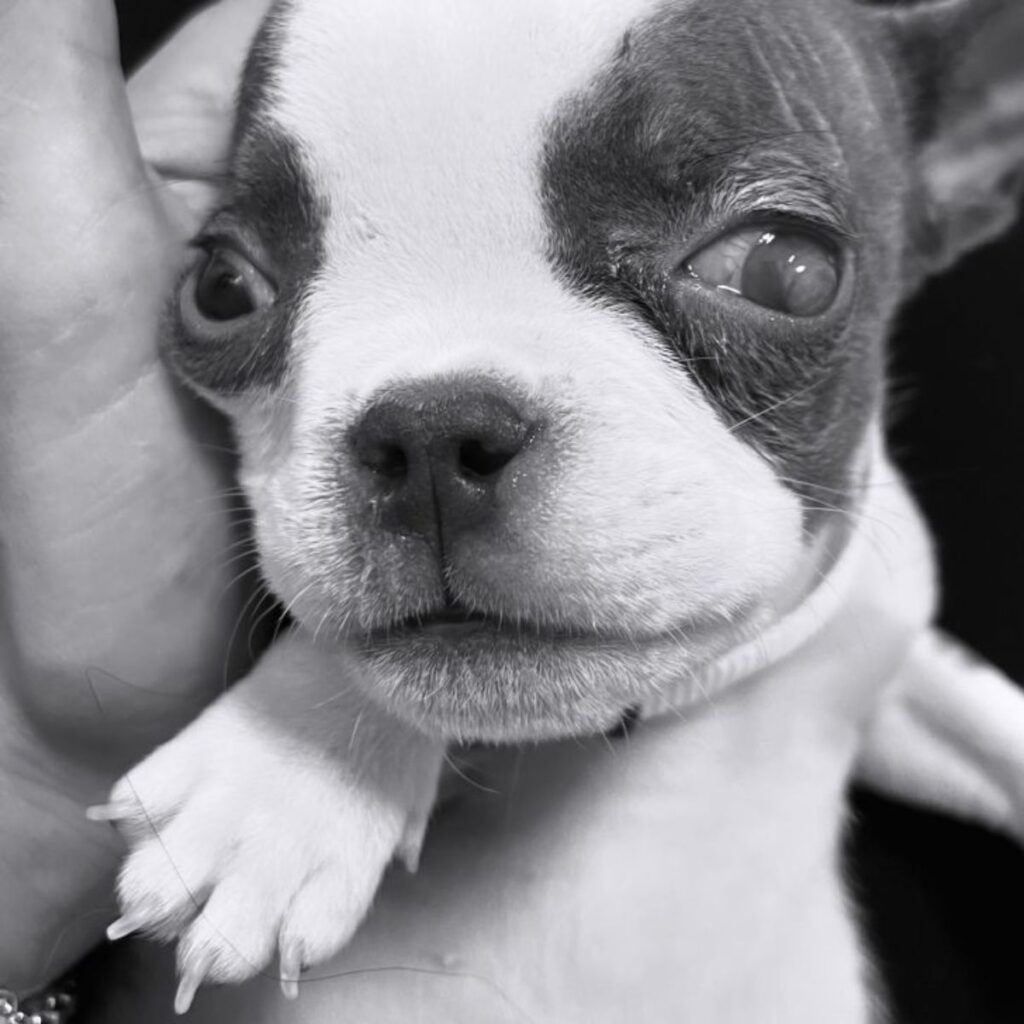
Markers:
(436, 454)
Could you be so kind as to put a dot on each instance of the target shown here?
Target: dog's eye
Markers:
(779, 268)
(226, 286)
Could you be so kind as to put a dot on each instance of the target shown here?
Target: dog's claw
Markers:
(122, 927)
(410, 858)
(291, 968)
(191, 979)
(410, 846)
(109, 812)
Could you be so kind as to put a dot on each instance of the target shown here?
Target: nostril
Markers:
(479, 459)
(386, 458)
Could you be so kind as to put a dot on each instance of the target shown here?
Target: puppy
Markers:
(552, 338)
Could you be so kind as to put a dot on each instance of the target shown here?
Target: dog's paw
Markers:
(245, 844)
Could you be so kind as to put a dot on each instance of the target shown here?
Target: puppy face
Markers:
(550, 333)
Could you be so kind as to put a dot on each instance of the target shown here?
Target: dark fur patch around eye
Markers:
(687, 122)
(259, 76)
(272, 195)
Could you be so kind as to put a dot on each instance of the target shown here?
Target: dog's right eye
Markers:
(224, 287)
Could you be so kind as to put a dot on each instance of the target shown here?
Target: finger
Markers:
(183, 97)
(76, 196)
(63, 108)
(49, 45)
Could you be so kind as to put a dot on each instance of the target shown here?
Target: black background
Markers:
(943, 903)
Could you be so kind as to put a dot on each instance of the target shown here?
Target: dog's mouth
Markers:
(480, 675)
(455, 622)
(455, 625)
(451, 622)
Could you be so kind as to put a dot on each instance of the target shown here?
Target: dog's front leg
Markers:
(268, 822)
(950, 736)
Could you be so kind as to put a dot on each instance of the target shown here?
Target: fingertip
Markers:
(62, 97)
(59, 41)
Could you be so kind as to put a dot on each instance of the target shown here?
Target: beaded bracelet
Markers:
(55, 1005)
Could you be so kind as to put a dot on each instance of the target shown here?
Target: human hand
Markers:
(119, 588)
(114, 487)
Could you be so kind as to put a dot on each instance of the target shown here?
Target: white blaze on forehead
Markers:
(423, 120)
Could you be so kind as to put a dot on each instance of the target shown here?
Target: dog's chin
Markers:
(471, 677)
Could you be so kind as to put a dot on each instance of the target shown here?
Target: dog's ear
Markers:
(961, 66)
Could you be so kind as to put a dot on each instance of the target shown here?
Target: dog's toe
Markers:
(146, 798)
(168, 875)
(235, 934)
(326, 911)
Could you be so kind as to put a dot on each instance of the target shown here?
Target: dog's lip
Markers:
(452, 624)
(456, 622)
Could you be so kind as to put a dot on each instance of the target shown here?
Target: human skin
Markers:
(116, 569)
(118, 586)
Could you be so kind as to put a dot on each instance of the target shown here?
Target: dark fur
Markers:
(637, 172)
(273, 215)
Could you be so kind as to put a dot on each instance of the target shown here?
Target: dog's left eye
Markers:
(780, 268)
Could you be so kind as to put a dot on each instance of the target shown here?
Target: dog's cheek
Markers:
(658, 518)
(320, 550)
(283, 487)
(641, 510)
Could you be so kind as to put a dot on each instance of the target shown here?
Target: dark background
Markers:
(943, 903)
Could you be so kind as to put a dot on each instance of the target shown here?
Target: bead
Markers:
(54, 1007)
